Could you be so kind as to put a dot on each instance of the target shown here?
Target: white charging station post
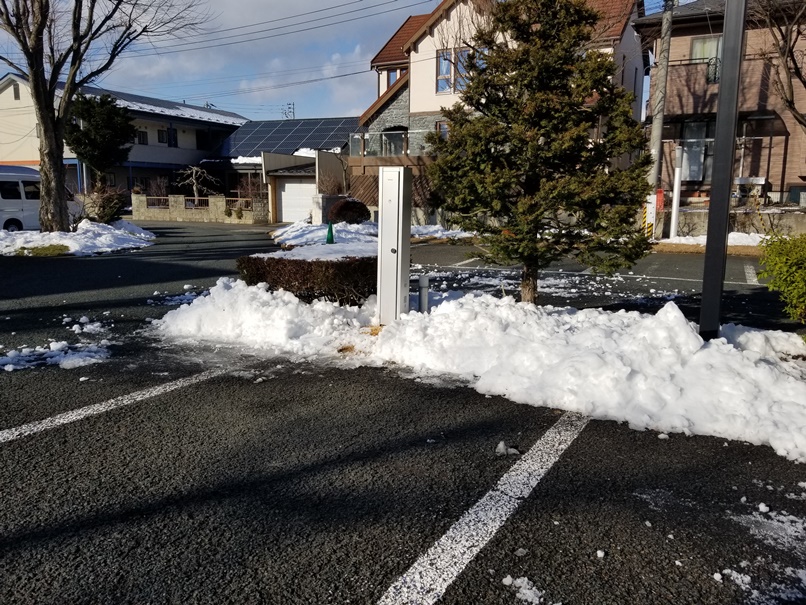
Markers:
(394, 235)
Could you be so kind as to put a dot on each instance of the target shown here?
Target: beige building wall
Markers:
(457, 28)
(19, 143)
(450, 32)
(781, 157)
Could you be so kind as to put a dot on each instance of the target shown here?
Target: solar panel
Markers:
(286, 136)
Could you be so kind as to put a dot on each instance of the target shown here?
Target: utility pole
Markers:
(716, 246)
(659, 93)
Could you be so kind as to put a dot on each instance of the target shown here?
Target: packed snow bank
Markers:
(88, 238)
(651, 371)
(734, 239)
(277, 322)
(438, 232)
(304, 234)
(327, 251)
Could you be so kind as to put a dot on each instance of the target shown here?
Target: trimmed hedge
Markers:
(348, 281)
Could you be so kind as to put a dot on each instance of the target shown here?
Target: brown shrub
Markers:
(349, 210)
(348, 281)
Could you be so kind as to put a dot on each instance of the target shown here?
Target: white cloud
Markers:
(253, 78)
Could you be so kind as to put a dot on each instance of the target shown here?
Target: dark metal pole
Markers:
(724, 157)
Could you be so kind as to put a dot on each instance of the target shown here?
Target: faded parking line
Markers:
(431, 575)
(100, 408)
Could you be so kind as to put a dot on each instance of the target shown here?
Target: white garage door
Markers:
(295, 199)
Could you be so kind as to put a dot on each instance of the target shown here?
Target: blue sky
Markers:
(254, 54)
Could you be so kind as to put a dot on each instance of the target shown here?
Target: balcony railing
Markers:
(713, 70)
(388, 143)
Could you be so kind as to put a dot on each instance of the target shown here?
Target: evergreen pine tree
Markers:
(100, 133)
(537, 157)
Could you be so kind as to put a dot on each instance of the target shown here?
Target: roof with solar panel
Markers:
(289, 136)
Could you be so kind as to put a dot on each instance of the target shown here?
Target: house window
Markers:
(16, 88)
(168, 136)
(444, 71)
(442, 130)
(460, 69)
(142, 137)
(704, 48)
(452, 70)
(391, 77)
(698, 151)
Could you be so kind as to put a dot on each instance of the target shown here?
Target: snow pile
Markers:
(88, 238)
(734, 239)
(277, 322)
(56, 353)
(438, 232)
(304, 234)
(327, 251)
(649, 371)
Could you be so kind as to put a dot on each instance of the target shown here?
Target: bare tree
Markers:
(784, 50)
(197, 179)
(64, 45)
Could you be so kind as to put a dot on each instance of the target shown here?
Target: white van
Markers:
(19, 198)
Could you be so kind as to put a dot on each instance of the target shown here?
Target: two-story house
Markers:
(170, 135)
(420, 71)
(771, 146)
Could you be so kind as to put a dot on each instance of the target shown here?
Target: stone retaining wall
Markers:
(178, 210)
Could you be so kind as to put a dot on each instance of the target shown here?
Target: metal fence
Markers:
(157, 202)
(197, 202)
(239, 203)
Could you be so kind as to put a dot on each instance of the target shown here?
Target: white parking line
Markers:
(99, 408)
(428, 579)
(750, 274)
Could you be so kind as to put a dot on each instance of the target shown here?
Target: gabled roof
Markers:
(392, 53)
(615, 15)
(287, 136)
(699, 10)
(381, 101)
(175, 109)
(151, 105)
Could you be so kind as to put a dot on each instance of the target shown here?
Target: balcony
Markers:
(388, 144)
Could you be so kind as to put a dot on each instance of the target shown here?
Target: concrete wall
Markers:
(176, 210)
(695, 221)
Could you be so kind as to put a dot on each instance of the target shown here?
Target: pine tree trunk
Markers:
(529, 284)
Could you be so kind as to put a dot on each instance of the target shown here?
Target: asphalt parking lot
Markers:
(204, 474)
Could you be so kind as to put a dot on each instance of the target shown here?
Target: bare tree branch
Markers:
(67, 44)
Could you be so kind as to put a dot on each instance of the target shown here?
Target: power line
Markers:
(316, 12)
(159, 51)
